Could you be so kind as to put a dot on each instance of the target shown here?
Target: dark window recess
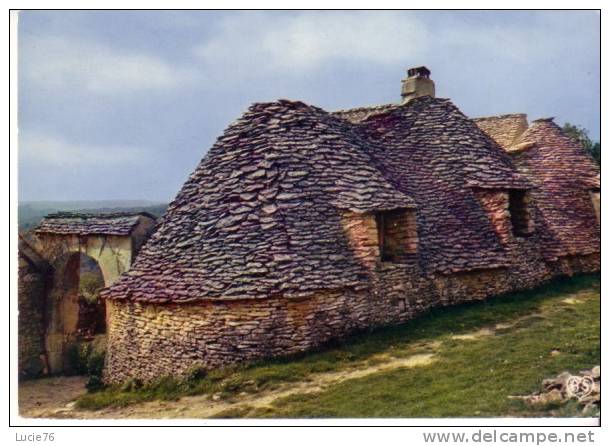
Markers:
(397, 234)
(519, 213)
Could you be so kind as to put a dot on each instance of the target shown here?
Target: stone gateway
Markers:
(51, 315)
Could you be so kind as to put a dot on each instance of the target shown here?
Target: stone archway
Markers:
(91, 307)
(109, 241)
(66, 321)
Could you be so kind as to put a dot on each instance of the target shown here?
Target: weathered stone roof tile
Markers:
(272, 188)
(563, 174)
(504, 129)
(117, 223)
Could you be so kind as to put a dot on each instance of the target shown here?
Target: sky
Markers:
(124, 104)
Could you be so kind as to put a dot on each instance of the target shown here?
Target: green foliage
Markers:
(469, 378)
(195, 373)
(131, 385)
(95, 363)
(83, 359)
(89, 286)
(94, 383)
(581, 135)
(77, 357)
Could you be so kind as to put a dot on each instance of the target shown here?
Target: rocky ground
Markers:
(585, 388)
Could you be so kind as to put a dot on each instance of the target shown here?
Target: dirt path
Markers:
(54, 397)
(57, 395)
(47, 397)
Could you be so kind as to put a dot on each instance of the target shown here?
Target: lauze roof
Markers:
(504, 129)
(563, 174)
(261, 214)
(66, 223)
(435, 154)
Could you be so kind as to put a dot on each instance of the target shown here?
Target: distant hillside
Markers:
(31, 212)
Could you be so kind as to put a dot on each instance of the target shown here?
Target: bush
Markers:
(77, 356)
(131, 384)
(95, 363)
(195, 373)
(94, 383)
(83, 359)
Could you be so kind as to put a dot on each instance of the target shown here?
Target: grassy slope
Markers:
(469, 378)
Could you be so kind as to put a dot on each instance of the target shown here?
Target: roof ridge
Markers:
(86, 215)
(507, 115)
(366, 107)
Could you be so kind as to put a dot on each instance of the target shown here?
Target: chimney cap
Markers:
(418, 72)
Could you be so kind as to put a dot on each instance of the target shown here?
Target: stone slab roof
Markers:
(359, 114)
(262, 213)
(504, 129)
(65, 223)
(431, 151)
(563, 174)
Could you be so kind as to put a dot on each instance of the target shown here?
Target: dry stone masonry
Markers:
(504, 129)
(300, 226)
(32, 289)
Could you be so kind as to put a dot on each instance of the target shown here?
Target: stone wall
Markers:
(573, 264)
(113, 255)
(31, 295)
(147, 341)
(504, 129)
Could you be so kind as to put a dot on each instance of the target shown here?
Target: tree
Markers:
(581, 135)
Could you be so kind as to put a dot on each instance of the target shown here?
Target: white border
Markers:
(157, 436)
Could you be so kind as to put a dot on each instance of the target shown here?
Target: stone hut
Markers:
(300, 226)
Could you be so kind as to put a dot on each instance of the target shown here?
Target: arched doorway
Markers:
(91, 308)
(77, 313)
(110, 242)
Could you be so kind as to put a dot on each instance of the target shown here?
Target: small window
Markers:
(397, 234)
(519, 213)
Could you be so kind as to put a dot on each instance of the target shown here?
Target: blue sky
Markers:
(123, 105)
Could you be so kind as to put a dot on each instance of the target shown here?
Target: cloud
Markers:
(519, 41)
(54, 151)
(257, 44)
(56, 62)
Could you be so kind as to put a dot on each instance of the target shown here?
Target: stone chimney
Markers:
(417, 84)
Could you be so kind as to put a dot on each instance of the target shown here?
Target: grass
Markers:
(469, 377)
